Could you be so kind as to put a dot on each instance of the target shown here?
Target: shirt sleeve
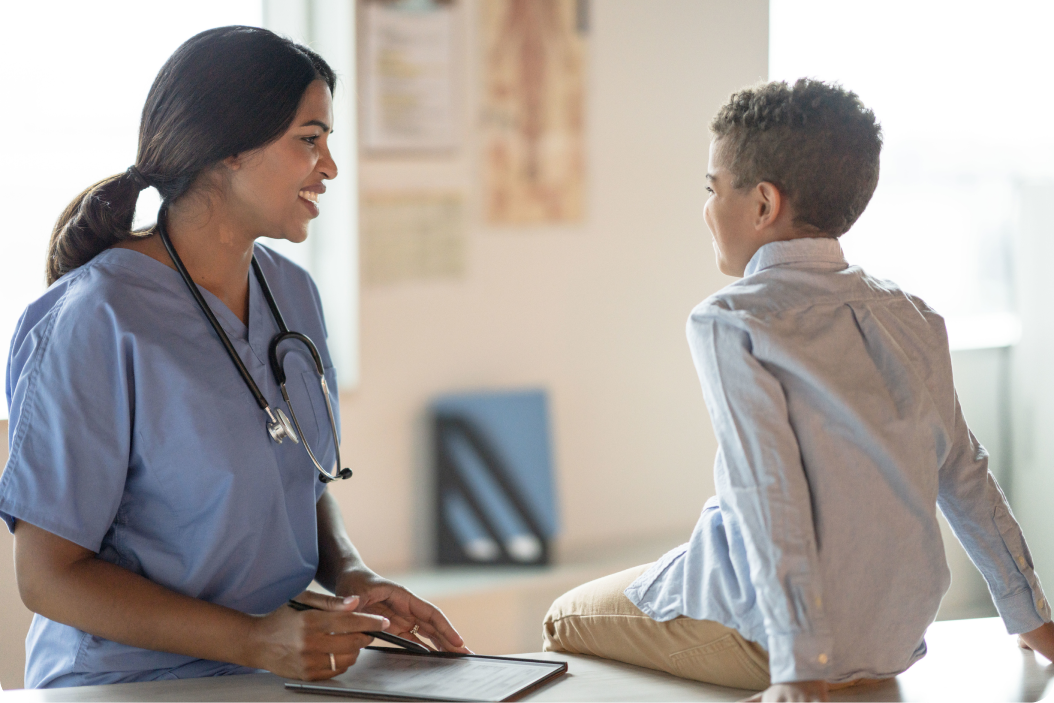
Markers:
(70, 424)
(977, 511)
(766, 488)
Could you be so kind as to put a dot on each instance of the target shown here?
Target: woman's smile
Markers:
(309, 197)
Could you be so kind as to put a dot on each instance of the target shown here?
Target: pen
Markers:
(393, 639)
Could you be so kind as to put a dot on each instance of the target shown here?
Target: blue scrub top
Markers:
(133, 435)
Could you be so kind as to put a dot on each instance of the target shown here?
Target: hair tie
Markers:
(137, 176)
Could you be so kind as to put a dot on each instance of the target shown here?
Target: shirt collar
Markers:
(810, 250)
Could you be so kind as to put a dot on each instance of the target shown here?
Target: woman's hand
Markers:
(298, 644)
(402, 608)
(797, 691)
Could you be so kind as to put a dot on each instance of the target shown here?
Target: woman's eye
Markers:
(311, 139)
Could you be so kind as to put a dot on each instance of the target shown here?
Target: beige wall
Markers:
(594, 313)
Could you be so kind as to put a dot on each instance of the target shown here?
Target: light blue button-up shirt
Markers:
(839, 434)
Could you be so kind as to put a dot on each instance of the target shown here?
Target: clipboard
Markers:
(384, 673)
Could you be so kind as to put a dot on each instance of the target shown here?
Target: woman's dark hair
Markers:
(814, 141)
(223, 92)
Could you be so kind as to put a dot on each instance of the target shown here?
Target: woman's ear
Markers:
(233, 162)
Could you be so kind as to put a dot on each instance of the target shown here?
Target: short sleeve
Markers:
(70, 391)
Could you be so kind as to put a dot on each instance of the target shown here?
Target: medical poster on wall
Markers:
(533, 121)
(412, 236)
(408, 91)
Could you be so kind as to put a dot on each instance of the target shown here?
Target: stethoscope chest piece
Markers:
(281, 428)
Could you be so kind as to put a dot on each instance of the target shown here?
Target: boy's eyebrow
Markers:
(316, 123)
(709, 177)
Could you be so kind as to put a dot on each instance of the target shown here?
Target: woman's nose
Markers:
(328, 166)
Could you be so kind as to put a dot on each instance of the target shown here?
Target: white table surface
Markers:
(968, 660)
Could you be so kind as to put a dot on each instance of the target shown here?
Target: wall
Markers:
(982, 383)
(1034, 379)
(594, 313)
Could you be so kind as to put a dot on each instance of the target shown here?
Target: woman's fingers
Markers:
(343, 645)
(344, 621)
(434, 625)
(298, 644)
(326, 602)
(444, 644)
(322, 667)
(405, 610)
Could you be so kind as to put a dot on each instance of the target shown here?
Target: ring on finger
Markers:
(413, 630)
(332, 662)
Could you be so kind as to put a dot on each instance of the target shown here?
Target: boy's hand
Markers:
(1041, 640)
(797, 691)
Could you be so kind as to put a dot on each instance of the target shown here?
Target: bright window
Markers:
(75, 77)
(961, 91)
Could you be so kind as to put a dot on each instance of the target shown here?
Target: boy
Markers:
(819, 563)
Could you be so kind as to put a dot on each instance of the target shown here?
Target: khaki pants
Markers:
(597, 619)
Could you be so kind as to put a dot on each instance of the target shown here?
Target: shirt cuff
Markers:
(1024, 611)
(799, 657)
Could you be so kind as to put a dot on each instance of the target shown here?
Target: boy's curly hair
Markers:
(816, 142)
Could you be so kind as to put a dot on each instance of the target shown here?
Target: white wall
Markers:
(1033, 479)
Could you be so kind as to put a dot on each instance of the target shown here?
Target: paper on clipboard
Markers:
(383, 673)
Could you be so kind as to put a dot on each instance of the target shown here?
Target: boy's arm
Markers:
(979, 515)
(766, 488)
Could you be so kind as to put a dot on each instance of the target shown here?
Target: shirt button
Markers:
(1042, 603)
(1021, 561)
(822, 658)
(819, 602)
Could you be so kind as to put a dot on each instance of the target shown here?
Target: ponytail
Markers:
(97, 219)
(224, 92)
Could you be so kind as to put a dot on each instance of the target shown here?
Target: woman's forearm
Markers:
(69, 584)
(336, 554)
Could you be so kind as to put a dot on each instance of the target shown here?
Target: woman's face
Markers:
(274, 190)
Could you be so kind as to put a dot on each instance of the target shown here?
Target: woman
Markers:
(160, 527)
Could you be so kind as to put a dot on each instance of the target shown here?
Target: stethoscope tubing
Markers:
(200, 299)
(277, 369)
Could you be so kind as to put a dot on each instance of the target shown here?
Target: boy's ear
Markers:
(769, 204)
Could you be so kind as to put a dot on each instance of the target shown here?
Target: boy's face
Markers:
(732, 216)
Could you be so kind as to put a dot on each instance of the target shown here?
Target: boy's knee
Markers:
(561, 608)
(571, 618)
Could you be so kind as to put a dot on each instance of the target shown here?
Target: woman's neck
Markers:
(216, 253)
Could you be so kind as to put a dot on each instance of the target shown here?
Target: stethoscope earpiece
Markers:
(342, 474)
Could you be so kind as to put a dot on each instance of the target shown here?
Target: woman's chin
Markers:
(294, 236)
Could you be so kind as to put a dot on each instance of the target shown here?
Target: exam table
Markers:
(968, 660)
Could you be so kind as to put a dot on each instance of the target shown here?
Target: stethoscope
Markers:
(278, 424)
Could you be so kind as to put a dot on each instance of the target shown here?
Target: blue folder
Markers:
(495, 501)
